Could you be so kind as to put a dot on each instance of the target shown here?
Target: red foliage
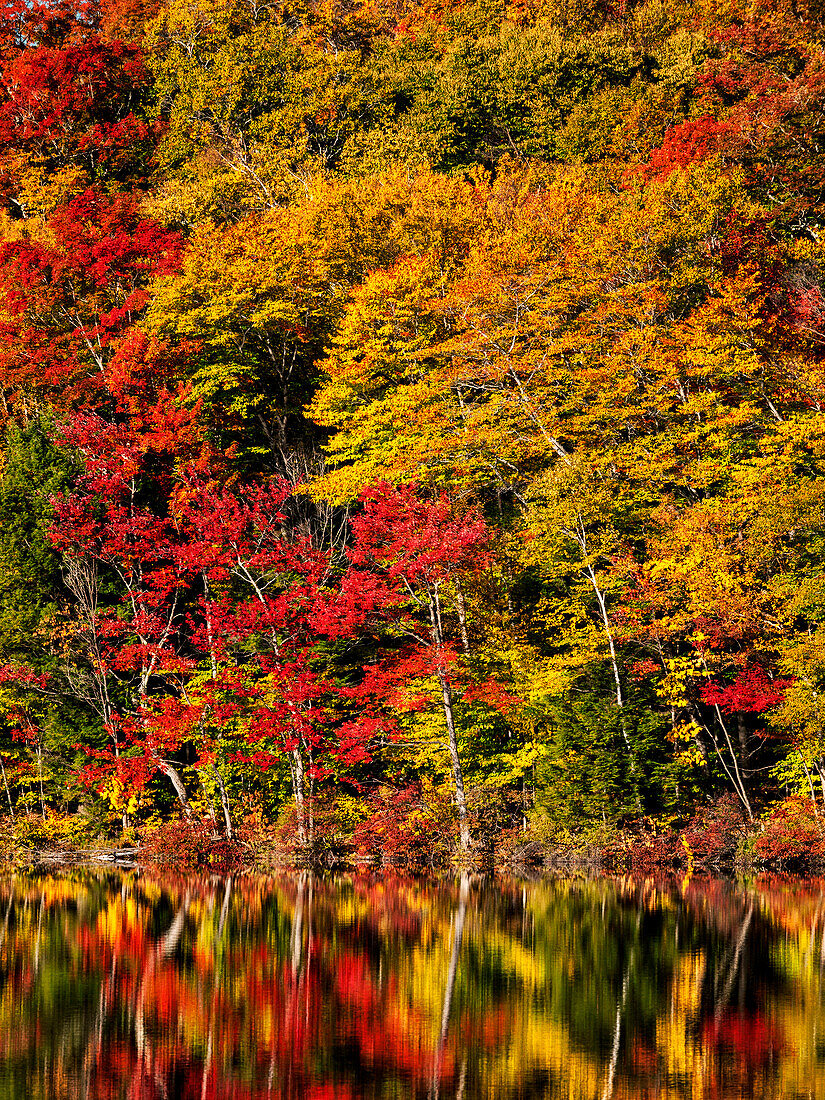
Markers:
(406, 552)
(648, 851)
(68, 299)
(208, 577)
(794, 836)
(751, 693)
(417, 540)
(126, 19)
(399, 834)
(72, 104)
(30, 24)
(762, 97)
(642, 669)
(696, 139)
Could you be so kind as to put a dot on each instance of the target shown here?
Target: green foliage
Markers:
(30, 577)
(602, 762)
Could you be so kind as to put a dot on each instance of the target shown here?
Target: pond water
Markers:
(141, 985)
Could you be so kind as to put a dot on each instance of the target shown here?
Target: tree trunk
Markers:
(735, 776)
(810, 784)
(449, 717)
(455, 762)
(40, 777)
(230, 832)
(296, 765)
(125, 817)
(462, 618)
(821, 774)
(297, 771)
(6, 786)
(579, 536)
(174, 778)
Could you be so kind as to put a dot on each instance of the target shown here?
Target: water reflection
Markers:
(142, 986)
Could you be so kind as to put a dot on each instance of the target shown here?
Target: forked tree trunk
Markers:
(296, 763)
(449, 718)
(455, 764)
(296, 770)
(227, 816)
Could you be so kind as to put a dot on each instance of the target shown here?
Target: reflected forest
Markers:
(141, 987)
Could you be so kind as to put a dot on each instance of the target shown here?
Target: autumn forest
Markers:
(413, 443)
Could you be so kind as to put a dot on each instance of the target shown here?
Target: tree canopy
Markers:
(413, 415)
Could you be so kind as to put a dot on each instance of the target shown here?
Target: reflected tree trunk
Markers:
(610, 1081)
(164, 949)
(296, 938)
(5, 930)
(108, 995)
(733, 971)
(458, 934)
(300, 978)
(216, 988)
(39, 931)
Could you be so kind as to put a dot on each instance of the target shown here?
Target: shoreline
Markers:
(559, 861)
(789, 839)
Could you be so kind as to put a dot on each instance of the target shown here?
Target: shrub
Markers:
(517, 847)
(794, 836)
(334, 818)
(191, 846)
(715, 832)
(411, 826)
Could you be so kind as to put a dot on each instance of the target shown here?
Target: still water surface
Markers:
(145, 986)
